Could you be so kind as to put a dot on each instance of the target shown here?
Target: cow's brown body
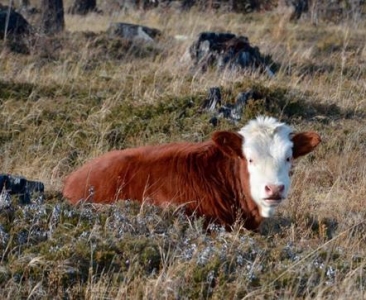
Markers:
(197, 176)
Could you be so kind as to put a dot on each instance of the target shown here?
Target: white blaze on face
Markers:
(268, 150)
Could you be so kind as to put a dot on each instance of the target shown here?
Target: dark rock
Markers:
(235, 111)
(5, 201)
(298, 7)
(26, 9)
(206, 49)
(52, 19)
(18, 185)
(226, 50)
(187, 4)
(214, 121)
(229, 111)
(237, 6)
(83, 7)
(12, 22)
(139, 4)
(133, 32)
(213, 100)
(247, 6)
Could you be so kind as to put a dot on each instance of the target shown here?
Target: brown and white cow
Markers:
(233, 174)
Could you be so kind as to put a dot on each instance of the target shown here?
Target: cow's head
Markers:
(267, 148)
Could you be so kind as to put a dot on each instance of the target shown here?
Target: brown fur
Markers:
(208, 178)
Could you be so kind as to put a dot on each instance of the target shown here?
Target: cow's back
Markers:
(155, 173)
(97, 180)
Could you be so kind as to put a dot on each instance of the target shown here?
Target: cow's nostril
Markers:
(281, 188)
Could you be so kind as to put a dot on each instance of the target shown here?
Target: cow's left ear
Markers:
(230, 143)
(304, 143)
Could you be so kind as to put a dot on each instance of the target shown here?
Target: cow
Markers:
(244, 174)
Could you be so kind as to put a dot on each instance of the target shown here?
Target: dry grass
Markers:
(79, 95)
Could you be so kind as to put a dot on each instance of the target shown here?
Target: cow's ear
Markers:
(304, 143)
(230, 143)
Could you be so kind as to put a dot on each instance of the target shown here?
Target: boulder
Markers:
(133, 32)
(139, 4)
(227, 51)
(294, 8)
(233, 112)
(83, 7)
(20, 186)
(212, 101)
(12, 22)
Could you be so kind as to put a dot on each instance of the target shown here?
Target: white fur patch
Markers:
(268, 150)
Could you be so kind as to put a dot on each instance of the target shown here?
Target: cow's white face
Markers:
(267, 147)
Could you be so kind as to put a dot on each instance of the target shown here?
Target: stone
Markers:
(227, 51)
(233, 112)
(133, 32)
(13, 23)
(20, 186)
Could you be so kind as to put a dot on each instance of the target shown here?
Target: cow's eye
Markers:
(288, 159)
(250, 160)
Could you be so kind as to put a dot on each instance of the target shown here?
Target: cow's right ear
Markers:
(230, 143)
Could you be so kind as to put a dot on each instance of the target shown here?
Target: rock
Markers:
(226, 50)
(213, 104)
(133, 32)
(295, 8)
(83, 7)
(212, 101)
(18, 185)
(235, 111)
(138, 4)
(13, 23)
(5, 200)
(208, 46)
(26, 9)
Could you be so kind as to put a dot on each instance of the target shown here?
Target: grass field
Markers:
(80, 94)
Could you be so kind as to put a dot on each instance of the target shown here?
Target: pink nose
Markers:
(274, 191)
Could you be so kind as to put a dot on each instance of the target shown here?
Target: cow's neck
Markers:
(232, 182)
(251, 212)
